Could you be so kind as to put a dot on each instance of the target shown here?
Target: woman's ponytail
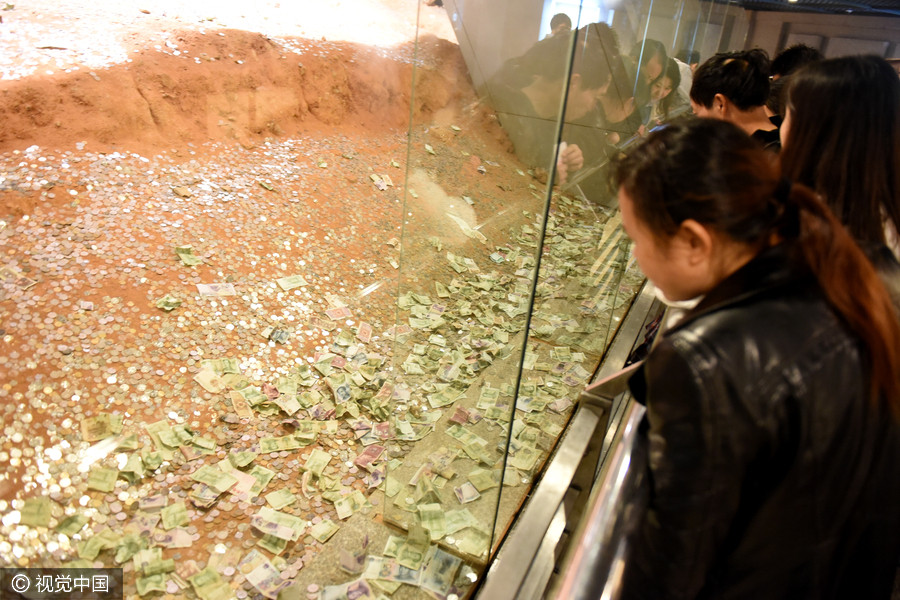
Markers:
(852, 287)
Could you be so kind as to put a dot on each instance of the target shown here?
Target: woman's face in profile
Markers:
(785, 129)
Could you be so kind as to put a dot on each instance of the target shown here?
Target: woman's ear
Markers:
(696, 241)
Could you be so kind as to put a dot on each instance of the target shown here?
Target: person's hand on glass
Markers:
(569, 159)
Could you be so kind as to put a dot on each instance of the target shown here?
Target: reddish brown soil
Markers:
(244, 87)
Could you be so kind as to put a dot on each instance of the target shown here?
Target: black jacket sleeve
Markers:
(694, 473)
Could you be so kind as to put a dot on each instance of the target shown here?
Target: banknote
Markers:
(70, 525)
(221, 366)
(296, 525)
(317, 461)
(439, 572)
(352, 562)
(168, 303)
(153, 583)
(262, 477)
(338, 313)
(364, 332)
(159, 566)
(176, 538)
(433, 519)
(174, 515)
(279, 444)
(369, 456)
(280, 498)
(214, 478)
(36, 511)
(100, 427)
(466, 493)
(102, 479)
(291, 282)
(457, 520)
(482, 479)
(209, 381)
(323, 530)
(272, 543)
(348, 505)
(271, 528)
(267, 580)
(288, 403)
(216, 289)
(379, 567)
(144, 557)
(187, 256)
(241, 458)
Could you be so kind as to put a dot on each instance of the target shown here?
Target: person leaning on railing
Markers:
(773, 406)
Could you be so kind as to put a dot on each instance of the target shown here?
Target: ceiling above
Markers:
(875, 8)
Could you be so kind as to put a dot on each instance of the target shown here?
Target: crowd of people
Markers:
(773, 404)
(766, 204)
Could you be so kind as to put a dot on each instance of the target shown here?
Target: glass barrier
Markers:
(251, 341)
(514, 268)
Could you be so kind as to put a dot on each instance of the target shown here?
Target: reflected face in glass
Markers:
(662, 88)
(652, 69)
(582, 100)
(661, 260)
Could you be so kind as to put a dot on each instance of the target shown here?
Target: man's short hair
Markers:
(688, 57)
(742, 77)
(792, 58)
(560, 19)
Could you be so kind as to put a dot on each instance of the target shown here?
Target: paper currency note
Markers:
(348, 505)
(214, 478)
(267, 580)
(466, 493)
(364, 332)
(96, 428)
(174, 515)
(289, 283)
(262, 477)
(280, 498)
(102, 479)
(216, 289)
(317, 461)
(186, 254)
(210, 381)
(369, 456)
(153, 583)
(323, 530)
(439, 572)
(168, 303)
(274, 544)
(36, 512)
(338, 313)
(70, 525)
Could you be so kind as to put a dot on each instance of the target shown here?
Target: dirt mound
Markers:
(230, 84)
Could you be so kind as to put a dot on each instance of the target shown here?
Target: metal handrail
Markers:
(595, 560)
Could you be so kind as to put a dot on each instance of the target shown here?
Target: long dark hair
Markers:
(844, 140)
(674, 74)
(710, 171)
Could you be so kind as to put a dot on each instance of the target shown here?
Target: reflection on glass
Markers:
(514, 269)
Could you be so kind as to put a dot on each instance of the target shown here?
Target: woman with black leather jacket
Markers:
(773, 406)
